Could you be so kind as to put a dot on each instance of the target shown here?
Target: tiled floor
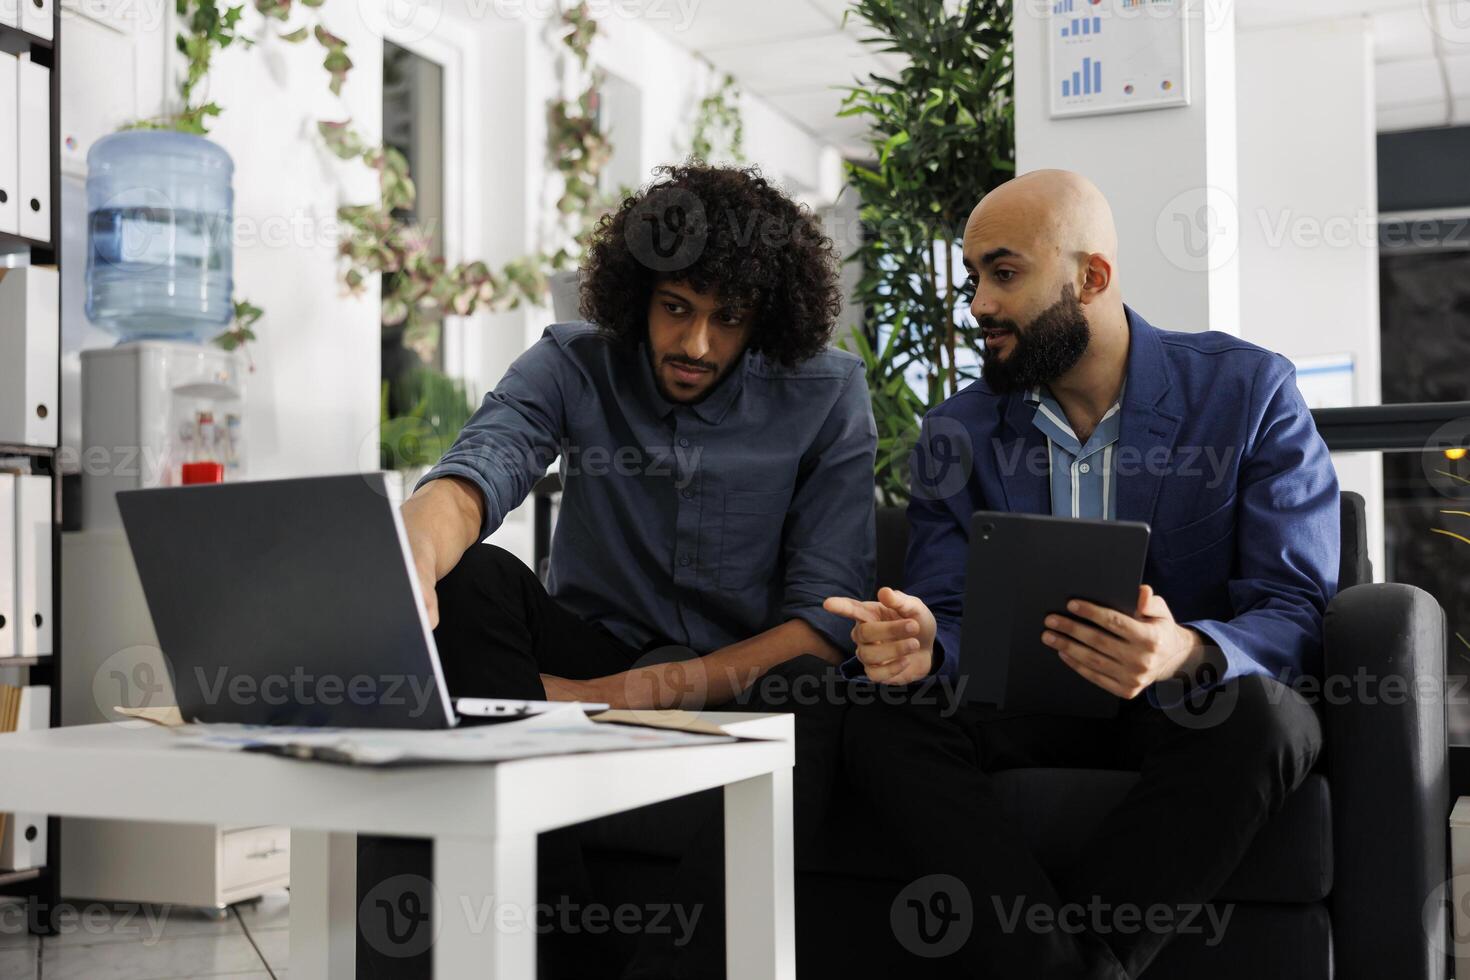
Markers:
(108, 941)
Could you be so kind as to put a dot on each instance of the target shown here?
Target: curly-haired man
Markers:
(717, 464)
(717, 467)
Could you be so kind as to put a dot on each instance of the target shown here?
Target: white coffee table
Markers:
(483, 820)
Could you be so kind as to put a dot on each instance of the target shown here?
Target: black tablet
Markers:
(1022, 568)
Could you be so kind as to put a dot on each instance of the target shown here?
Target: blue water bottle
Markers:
(160, 215)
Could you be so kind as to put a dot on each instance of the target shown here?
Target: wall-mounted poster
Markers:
(1326, 380)
(1118, 56)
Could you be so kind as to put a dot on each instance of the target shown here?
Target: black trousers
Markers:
(498, 632)
(1212, 774)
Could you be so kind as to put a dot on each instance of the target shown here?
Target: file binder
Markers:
(33, 140)
(23, 844)
(33, 565)
(35, 17)
(9, 141)
(28, 355)
(9, 634)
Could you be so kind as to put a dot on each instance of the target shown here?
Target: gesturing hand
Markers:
(894, 636)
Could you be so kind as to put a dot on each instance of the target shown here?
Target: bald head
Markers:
(1050, 211)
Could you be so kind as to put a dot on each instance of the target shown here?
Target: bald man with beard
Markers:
(1085, 410)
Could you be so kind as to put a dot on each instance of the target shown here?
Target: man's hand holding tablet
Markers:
(1121, 654)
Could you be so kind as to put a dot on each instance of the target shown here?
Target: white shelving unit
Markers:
(30, 207)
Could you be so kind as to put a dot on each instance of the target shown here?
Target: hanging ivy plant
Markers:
(719, 127)
(420, 287)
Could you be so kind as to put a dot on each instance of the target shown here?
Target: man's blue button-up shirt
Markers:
(699, 525)
(1083, 477)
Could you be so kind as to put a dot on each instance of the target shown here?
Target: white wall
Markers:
(1158, 169)
(314, 396)
(1308, 211)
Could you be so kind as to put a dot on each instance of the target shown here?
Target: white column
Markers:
(1170, 174)
(1309, 212)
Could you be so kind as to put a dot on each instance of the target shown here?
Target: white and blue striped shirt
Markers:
(1083, 478)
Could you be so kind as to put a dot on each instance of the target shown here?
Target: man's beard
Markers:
(1048, 347)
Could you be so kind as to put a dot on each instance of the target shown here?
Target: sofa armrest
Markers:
(1387, 765)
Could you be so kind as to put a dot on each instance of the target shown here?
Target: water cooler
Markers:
(157, 413)
(164, 407)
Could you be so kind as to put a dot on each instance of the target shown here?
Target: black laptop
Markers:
(288, 602)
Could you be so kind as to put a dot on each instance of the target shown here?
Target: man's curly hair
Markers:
(724, 230)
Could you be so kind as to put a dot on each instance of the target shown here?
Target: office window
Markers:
(413, 124)
(1425, 324)
(619, 109)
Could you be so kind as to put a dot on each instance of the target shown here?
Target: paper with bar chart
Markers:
(1117, 55)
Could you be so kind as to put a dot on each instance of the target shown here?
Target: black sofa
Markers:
(1338, 884)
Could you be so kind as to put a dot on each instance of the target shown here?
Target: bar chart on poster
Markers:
(1118, 56)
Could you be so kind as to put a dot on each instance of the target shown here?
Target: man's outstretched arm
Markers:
(505, 447)
(701, 682)
(442, 520)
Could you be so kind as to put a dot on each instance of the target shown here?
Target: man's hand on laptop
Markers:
(894, 635)
(1124, 654)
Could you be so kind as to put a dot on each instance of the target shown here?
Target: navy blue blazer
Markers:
(1218, 453)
